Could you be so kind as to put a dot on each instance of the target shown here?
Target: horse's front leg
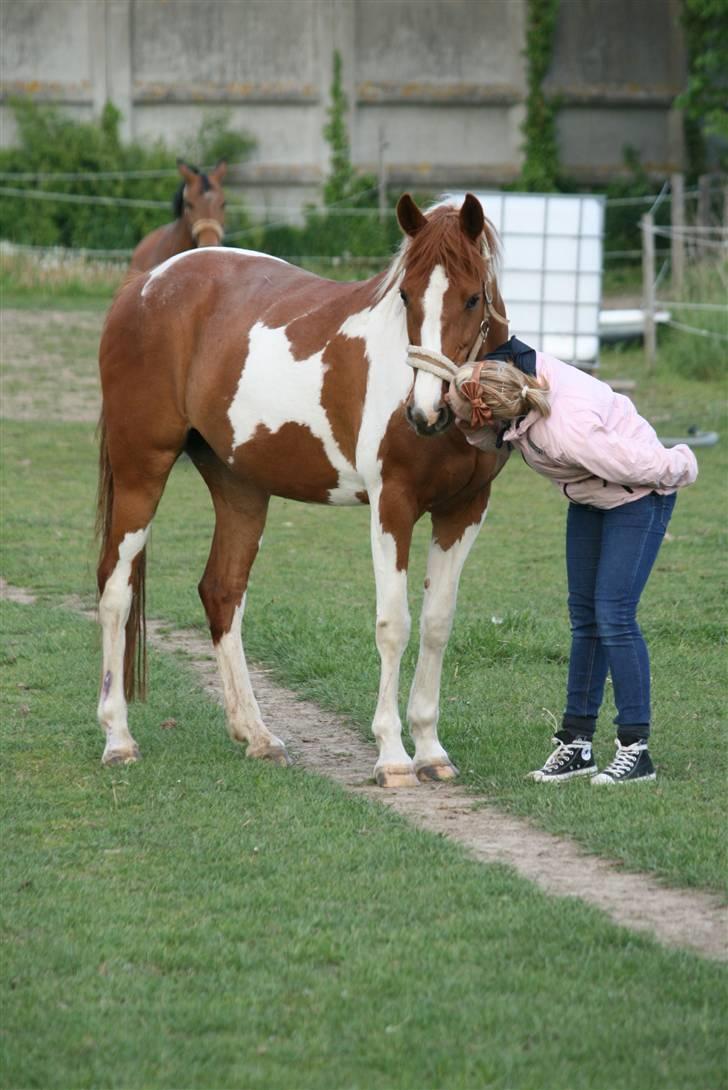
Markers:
(391, 529)
(453, 536)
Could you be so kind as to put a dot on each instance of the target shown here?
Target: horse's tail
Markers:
(135, 646)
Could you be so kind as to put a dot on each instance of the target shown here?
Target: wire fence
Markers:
(690, 253)
(690, 280)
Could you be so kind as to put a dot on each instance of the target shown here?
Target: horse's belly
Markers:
(293, 462)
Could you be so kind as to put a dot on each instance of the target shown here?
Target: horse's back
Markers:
(155, 248)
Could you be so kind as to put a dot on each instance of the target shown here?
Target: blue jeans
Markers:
(609, 556)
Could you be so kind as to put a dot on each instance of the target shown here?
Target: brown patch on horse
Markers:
(324, 307)
(446, 465)
(344, 386)
(289, 462)
(449, 524)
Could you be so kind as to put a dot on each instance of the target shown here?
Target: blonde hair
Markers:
(507, 392)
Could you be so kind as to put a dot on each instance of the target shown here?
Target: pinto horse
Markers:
(199, 205)
(277, 382)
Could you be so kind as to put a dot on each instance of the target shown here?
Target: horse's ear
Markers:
(472, 217)
(188, 173)
(409, 216)
(218, 172)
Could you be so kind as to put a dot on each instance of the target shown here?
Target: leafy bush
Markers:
(50, 142)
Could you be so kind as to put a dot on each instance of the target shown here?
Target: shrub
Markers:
(50, 143)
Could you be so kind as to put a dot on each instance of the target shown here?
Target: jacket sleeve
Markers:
(626, 460)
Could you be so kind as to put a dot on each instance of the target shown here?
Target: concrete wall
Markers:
(442, 82)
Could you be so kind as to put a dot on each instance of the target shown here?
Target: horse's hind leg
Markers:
(133, 500)
(240, 514)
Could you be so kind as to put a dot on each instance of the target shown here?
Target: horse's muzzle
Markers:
(417, 420)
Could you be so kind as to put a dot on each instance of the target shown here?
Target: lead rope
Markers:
(441, 366)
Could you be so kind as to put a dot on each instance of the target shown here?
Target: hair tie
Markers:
(524, 391)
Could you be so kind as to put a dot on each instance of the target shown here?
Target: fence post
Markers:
(648, 286)
(382, 180)
(703, 211)
(677, 241)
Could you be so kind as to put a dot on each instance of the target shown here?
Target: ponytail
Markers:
(505, 390)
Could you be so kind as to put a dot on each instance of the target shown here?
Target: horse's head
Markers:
(448, 289)
(200, 201)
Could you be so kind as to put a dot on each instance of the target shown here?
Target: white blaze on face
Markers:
(427, 394)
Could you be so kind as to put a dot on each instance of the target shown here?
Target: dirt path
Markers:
(324, 743)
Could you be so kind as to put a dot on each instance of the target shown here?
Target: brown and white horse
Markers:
(199, 205)
(277, 382)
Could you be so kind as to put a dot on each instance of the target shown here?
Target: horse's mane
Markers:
(442, 242)
(177, 201)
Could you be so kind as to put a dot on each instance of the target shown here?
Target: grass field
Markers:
(148, 942)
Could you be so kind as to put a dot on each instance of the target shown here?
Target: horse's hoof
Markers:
(437, 772)
(121, 756)
(276, 755)
(396, 776)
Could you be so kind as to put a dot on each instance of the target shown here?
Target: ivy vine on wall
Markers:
(541, 163)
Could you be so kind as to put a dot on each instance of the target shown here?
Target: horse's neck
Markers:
(180, 234)
(174, 238)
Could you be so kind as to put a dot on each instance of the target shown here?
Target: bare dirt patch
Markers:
(49, 368)
(325, 744)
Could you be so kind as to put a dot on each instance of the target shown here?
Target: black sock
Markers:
(629, 735)
(577, 726)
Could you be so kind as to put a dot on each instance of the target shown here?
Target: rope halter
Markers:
(207, 225)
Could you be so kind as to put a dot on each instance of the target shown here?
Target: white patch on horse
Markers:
(275, 389)
(392, 636)
(427, 394)
(244, 721)
(114, 608)
(384, 332)
(224, 252)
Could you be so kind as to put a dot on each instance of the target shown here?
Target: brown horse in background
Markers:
(277, 382)
(199, 205)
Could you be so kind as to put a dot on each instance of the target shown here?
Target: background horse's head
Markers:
(200, 201)
(447, 287)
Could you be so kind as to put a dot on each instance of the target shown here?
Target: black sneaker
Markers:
(631, 764)
(572, 757)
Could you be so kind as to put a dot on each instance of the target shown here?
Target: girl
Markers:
(620, 482)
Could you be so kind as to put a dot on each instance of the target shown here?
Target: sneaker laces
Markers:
(625, 758)
(562, 753)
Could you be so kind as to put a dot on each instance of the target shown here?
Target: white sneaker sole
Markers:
(539, 776)
(602, 779)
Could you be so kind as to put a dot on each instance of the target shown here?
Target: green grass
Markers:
(199, 920)
(503, 683)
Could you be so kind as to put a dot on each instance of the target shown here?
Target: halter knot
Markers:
(207, 225)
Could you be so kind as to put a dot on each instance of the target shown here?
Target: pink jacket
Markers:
(594, 446)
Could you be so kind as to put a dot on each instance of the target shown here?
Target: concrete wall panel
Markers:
(442, 80)
(259, 42)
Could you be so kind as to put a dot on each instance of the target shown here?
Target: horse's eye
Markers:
(188, 205)
(403, 296)
(472, 302)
